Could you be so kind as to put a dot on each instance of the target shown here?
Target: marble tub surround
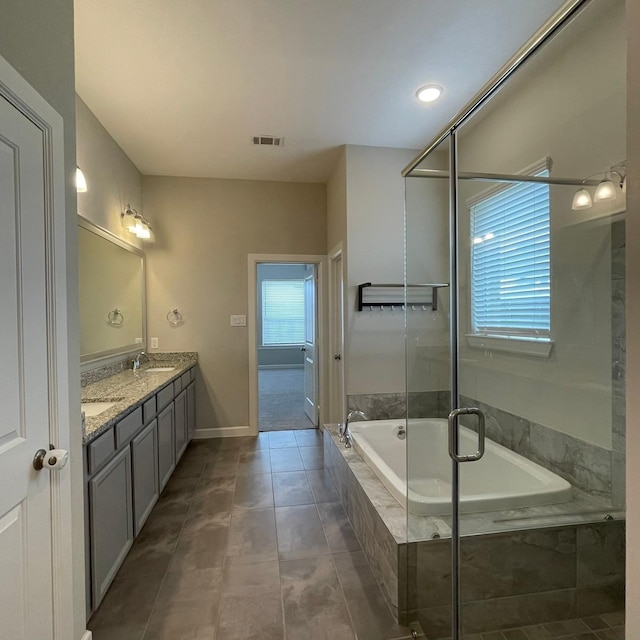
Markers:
(543, 564)
(130, 389)
(581, 463)
(392, 406)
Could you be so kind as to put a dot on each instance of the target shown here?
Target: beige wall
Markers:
(36, 38)
(337, 203)
(375, 209)
(205, 229)
(113, 180)
(633, 320)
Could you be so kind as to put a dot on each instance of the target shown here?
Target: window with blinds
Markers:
(510, 268)
(282, 312)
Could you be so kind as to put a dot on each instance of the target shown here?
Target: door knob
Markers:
(337, 357)
(54, 459)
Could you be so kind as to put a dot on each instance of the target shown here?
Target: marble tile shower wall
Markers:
(618, 362)
(509, 579)
(584, 465)
(393, 406)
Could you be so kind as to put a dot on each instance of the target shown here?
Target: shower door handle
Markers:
(453, 430)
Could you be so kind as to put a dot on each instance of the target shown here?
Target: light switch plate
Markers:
(154, 343)
(238, 321)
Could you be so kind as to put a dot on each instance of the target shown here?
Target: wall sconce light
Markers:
(81, 182)
(137, 224)
(607, 188)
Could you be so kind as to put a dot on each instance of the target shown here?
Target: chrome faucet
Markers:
(344, 433)
(136, 361)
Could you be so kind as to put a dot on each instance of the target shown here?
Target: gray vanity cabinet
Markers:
(166, 438)
(180, 417)
(126, 468)
(191, 410)
(146, 484)
(111, 527)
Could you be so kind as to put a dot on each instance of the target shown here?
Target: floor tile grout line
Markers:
(166, 571)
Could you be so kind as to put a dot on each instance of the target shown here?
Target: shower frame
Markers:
(560, 19)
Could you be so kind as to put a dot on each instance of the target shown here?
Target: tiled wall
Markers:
(618, 362)
(517, 578)
(393, 406)
(508, 579)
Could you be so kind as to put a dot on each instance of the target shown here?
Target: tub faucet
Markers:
(136, 361)
(345, 435)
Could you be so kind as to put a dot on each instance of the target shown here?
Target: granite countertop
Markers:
(130, 389)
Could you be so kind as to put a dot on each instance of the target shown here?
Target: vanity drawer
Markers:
(177, 386)
(128, 427)
(100, 450)
(164, 397)
(185, 379)
(192, 372)
(149, 410)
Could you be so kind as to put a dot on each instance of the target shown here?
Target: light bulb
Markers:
(606, 190)
(144, 232)
(429, 93)
(581, 200)
(81, 182)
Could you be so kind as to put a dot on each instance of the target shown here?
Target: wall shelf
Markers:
(379, 296)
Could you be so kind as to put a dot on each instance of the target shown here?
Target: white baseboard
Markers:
(223, 432)
(87, 635)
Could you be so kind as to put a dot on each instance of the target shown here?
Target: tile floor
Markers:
(608, 626)
(248, 540)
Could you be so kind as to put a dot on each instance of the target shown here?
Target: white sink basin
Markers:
(95, 408)
(159, 369)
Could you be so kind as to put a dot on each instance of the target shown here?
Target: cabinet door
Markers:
(182, 437)
(144, 458)
(166, 452)
(111, 522)
(191, 410)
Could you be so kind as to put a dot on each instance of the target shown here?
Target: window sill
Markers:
(538, 347)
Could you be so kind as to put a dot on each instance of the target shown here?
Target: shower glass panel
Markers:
(539, 323)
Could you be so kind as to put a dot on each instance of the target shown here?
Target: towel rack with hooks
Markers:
(374, 295)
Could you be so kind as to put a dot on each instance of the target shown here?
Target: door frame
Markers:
(337, 405)
(22, 96)
(252, 326)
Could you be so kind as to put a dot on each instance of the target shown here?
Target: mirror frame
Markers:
(129, 348)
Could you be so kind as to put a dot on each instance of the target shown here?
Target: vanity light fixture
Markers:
(136, 223)
(81, 182)
(429, 93)
(607, 188)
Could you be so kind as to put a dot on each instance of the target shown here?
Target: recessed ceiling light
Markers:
(429, 93)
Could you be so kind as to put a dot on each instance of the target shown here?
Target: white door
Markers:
(310, 356)
(336, 339)
(26, 601)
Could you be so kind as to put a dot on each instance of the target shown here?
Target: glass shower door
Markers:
(530, 536)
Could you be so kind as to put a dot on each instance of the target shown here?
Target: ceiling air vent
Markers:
(268, 141)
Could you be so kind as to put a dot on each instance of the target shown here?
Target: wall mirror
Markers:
(111, 293)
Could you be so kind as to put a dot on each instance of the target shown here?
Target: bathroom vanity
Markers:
(141, 425)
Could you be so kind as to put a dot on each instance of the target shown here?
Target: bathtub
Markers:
(502, 479)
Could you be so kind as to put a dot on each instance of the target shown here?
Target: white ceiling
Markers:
(183, 85)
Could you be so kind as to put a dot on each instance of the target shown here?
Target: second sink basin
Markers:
(159, 369)
(95, 408)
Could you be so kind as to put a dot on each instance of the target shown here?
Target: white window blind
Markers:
(282, 312)
(510, 272)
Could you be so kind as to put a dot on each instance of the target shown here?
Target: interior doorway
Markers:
(286, 345)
